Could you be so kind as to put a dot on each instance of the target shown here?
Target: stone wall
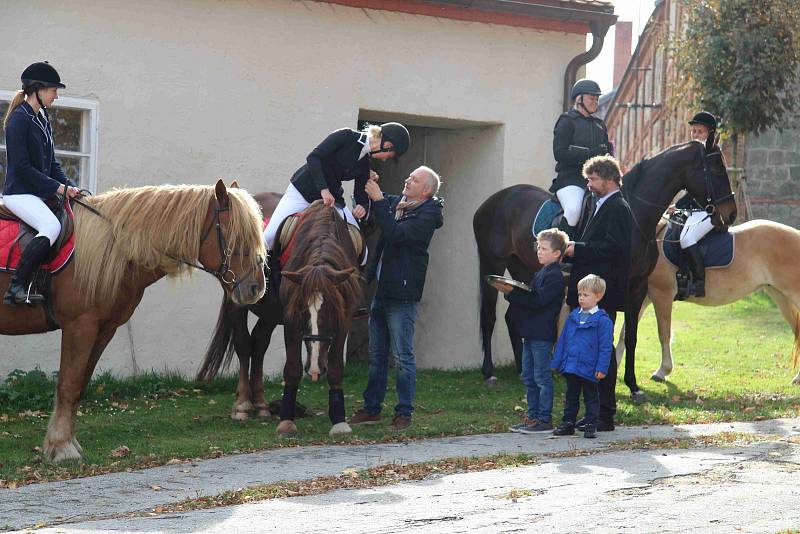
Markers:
(773, 175)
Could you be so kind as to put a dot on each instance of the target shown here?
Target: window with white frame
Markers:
(74, 123)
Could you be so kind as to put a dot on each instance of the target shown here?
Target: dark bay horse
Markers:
(502, 226)
(319, 292)
(139, 236)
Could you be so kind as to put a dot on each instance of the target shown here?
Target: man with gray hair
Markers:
(407, 223)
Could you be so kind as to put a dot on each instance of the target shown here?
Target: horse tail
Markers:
(220, 349)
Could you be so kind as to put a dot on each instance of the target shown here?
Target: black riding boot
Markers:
(698, 268)
(32, 257)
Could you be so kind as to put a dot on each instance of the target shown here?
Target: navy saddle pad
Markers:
(716, 247)
(546, 215)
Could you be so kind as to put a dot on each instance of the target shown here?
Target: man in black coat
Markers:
(604, 250)
(407, 225)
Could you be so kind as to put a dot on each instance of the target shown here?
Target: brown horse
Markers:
(318, 294)
(765, 250)
(136, 237)
(502, 226)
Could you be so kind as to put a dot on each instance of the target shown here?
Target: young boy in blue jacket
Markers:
(583, 354)
(535, 314)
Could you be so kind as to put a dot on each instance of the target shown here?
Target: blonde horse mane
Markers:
(149, 227)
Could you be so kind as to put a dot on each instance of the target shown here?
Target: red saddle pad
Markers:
(10, 251)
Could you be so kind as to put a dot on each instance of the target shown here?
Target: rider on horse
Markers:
(33, 173)
(577, 136)
(344, 155)
(698, 223)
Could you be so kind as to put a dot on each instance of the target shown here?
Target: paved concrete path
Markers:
(84, 502)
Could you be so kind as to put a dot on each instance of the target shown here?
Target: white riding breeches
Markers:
(571, 200)
(696, 227)
(35, 213)
(293, 202)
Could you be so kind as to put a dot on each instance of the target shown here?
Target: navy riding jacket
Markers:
(535, 312)
(32, 165)
(403, 247)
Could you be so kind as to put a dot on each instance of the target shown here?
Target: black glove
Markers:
(599, 150)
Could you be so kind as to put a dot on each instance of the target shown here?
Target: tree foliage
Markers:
(739, 59)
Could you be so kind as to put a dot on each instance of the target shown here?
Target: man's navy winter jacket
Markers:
(403, 247)
(32, 165)
(535, 312)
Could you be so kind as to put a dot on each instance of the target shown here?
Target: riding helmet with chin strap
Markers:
(399, 137)
(585, 86)
(706, 119)
(41, 73)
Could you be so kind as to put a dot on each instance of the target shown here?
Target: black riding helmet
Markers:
(706, 119)
(585, 87)
(41, 73)
(398, 135)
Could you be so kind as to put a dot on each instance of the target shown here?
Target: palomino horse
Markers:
(133, 238)
(764, 249)
(319, 292)
(502, 226)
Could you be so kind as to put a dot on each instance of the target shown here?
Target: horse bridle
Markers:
(226, 253)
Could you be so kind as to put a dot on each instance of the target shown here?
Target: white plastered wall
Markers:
(192, 90)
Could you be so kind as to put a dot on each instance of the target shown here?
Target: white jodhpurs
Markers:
(35, 213)
(293, 202)
(571, 200)
(697, 226)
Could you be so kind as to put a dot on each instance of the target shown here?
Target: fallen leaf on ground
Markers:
(120, 452)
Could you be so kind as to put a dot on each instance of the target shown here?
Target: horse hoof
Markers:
(491, 382)
(287, 429)
(263, 413)
(658, 378)
(639, 397)
(68, 452)
(340, 428)
(237, 415)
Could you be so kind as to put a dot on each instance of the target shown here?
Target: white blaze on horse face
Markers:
(313, 309)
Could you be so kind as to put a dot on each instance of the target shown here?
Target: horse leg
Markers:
(77, 343)
(292, 374)
(242, 406)
(662, 305)
(636, 294)
(336, 409)
(519, 271)
(488, 313)
(620, 348)
(262, 332)
(790, 312)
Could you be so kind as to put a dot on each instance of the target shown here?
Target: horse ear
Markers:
(235, 184)
(221, 193)
(337, 277)
(293, 276)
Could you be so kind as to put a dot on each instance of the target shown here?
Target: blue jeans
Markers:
(391, 323)
(536, 376)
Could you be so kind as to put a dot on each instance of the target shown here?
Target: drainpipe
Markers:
(599, 31)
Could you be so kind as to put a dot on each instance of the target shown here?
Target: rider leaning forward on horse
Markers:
(342, 156)
(33, 173)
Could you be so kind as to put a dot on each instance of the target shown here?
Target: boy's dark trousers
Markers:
(607, 387)
(575, 385)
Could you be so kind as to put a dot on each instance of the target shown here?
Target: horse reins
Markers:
(224, 269)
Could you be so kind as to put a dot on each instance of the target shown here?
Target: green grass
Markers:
(731, 363)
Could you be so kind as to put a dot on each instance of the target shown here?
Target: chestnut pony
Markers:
(502, 227)
(319, 292)
(125, 240)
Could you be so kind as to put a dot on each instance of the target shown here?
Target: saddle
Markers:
(15, 235)
(551, 213)
(288, 229)
(717, 249)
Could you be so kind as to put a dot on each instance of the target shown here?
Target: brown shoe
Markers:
(363, 417)
(400, 422)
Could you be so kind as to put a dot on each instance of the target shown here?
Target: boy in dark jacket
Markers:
(583, 354)
(535, 313)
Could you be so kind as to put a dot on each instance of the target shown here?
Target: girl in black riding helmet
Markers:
(343, 155)
(33, 173)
